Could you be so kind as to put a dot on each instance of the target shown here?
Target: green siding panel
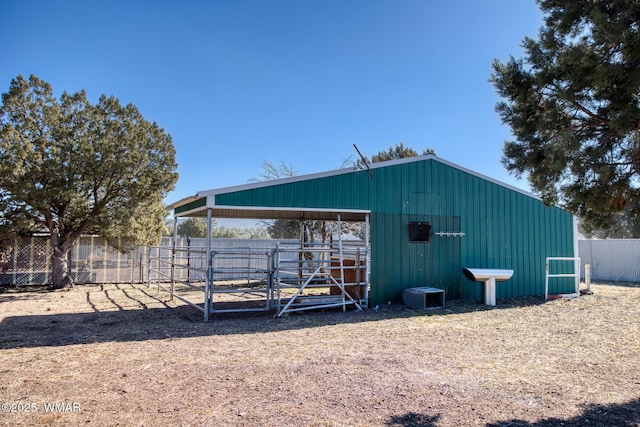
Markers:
(503, 228)
(191, 205)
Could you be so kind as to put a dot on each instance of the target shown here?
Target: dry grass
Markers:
(128, 356)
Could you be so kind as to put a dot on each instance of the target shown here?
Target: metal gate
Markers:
(322, 276)
(289, 278)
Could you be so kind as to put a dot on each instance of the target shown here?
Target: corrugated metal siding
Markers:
(503, 227)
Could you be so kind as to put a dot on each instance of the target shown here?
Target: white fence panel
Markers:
(611, 259)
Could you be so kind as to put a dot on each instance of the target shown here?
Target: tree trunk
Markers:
(61, 277)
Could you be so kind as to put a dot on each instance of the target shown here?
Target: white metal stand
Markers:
(575, 274)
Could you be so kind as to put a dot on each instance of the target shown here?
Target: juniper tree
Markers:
(69, 168)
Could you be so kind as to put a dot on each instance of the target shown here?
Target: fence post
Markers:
(15, 262)
(587, 275)
(48, 278)
(105, 261)
(70, 260)
(31, 259)
(90, 257)
(188, 259)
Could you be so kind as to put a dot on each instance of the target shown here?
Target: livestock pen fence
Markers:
(289, 276)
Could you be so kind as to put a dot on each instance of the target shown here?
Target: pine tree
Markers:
(573, 105)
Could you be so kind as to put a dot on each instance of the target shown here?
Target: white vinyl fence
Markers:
(612, 259)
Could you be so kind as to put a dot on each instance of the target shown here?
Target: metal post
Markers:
(357, 264)
(118, 264)
(276, 263)
(16, 247)
(105, 260)
(344, 307)
(367, 257)
(141, 266)
(31, 253)
(269, 280)
(188, 259)
(490, 291)
(149, 266)
(91, 255)
(546, 280)
(249, 269)
(301, 254)
(173, 255)
(208, 289)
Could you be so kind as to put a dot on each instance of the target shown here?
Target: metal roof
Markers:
(372, 166)
(267, 212)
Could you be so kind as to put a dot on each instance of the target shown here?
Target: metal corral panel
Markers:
(476, 222)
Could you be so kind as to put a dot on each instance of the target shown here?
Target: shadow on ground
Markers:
(413, 420)
(614, 415)
(144, 315)
(163, 323)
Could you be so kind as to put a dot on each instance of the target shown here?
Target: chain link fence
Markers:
(615, 260)
(91, 260)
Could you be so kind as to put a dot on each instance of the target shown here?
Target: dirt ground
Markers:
(124, 355)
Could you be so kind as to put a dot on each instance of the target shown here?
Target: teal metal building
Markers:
(475, 222)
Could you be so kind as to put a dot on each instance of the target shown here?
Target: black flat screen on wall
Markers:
(419, 231)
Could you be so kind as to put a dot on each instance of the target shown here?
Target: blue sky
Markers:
(300, 81)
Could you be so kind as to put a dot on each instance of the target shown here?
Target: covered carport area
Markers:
(291, 276)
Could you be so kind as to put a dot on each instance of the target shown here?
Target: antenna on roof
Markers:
(364, 161)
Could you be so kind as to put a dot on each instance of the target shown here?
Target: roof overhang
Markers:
(181, 202)
(270, 212)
